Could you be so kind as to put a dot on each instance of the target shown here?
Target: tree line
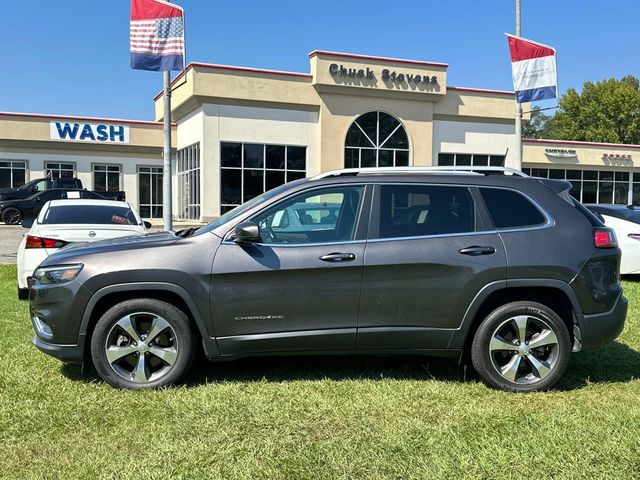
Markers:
(605, 111)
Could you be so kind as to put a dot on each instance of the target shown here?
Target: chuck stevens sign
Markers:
(386, 75)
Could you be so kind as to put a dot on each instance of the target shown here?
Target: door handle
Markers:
(338, 257)
(475, 251)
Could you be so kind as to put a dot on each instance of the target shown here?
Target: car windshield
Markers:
(90, 214)
(231, 214)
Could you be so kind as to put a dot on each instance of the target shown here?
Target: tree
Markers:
(606, 111)
(536, 126)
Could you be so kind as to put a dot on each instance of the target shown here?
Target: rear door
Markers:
(430, 251)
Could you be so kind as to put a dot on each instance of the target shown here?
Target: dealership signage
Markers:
(340, 71)
(89, 132)
(617, 157)
(560, 153)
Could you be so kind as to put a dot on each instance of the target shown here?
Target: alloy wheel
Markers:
(141, 347)
(524, 349)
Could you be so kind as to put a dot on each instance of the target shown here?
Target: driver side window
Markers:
(318, 216)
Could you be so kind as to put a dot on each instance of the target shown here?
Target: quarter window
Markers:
(510, 209)
(418, 210)
(320, 216)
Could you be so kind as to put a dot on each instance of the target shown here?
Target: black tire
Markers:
(551, 359)
(179, 338)
(12, 216)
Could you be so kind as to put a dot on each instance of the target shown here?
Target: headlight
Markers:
(59, 274)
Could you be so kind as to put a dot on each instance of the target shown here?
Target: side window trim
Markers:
(375, 214)
(362, 217)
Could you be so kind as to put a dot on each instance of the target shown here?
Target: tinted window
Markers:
(90, 214)
(319, 216)
(416, 210)
(509, 209)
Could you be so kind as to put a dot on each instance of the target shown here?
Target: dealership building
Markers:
(240, 131)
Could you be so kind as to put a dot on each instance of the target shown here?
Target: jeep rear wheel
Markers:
(521, 347)
(143, 343)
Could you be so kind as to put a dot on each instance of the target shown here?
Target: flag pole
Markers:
(518, 133)
(167, 193)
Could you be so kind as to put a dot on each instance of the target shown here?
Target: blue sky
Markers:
(71, 57)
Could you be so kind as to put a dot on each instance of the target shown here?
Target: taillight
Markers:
(41, 242)
(635, 236)
(604, 238)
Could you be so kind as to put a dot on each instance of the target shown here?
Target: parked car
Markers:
(63, 223)
(13, 212)
(40, 185)
(625, 221)
(507, 269)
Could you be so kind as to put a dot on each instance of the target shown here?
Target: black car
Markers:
(13, 212)
(506, 269)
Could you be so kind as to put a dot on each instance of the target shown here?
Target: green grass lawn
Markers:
(317, 417)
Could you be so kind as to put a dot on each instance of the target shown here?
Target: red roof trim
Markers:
(369, 57)
(237, 69)
(88, 119)
(576, 142)
(482, 90)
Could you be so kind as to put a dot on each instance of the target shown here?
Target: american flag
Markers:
(156, 35)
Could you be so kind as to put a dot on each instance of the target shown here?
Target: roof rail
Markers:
(458, 170)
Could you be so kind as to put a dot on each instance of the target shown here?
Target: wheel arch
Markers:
(108, 296)
(555, 294)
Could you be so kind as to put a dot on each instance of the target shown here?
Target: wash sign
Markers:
(89, 132)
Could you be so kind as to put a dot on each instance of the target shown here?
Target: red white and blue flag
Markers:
(534, 70)
(157, 35)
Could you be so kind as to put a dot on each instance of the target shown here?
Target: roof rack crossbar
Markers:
(459, 170)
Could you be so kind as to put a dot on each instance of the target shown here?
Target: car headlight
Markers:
(58, 274)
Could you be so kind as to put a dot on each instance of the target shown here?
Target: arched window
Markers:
(376, 139)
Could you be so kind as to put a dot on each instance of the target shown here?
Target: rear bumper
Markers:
(599, 329)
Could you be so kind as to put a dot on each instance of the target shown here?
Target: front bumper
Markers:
(601, 328)
(66, 353)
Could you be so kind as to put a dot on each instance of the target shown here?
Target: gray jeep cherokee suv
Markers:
(506, 268)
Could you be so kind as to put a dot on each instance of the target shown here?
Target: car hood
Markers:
(112, 245)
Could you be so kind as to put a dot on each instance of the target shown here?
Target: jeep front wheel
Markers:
(143, 343)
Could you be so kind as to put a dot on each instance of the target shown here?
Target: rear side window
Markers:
(90, 214)
(510, 209)
(418, 210)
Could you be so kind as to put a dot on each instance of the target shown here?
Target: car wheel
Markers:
(143, 343)
(521, 347)
(11, 216)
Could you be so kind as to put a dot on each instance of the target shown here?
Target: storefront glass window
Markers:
(150, 192)
(250, 169)
(188, 171)
(60, 170)
(376, 139)
(106, 178)
(593, 186)
(470, 159)
(13, 174)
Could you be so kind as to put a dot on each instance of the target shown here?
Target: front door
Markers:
(427, 257)
(299, 288)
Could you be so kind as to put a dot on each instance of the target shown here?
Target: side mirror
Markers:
(34, 189)
(247, 232)
(147, 225)
(27, 223)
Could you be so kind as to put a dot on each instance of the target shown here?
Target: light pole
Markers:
(518, 159)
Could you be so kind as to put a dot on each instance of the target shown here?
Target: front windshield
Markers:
(231, 214)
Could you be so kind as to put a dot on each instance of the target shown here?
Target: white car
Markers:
(62, 223)
(625, 221)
